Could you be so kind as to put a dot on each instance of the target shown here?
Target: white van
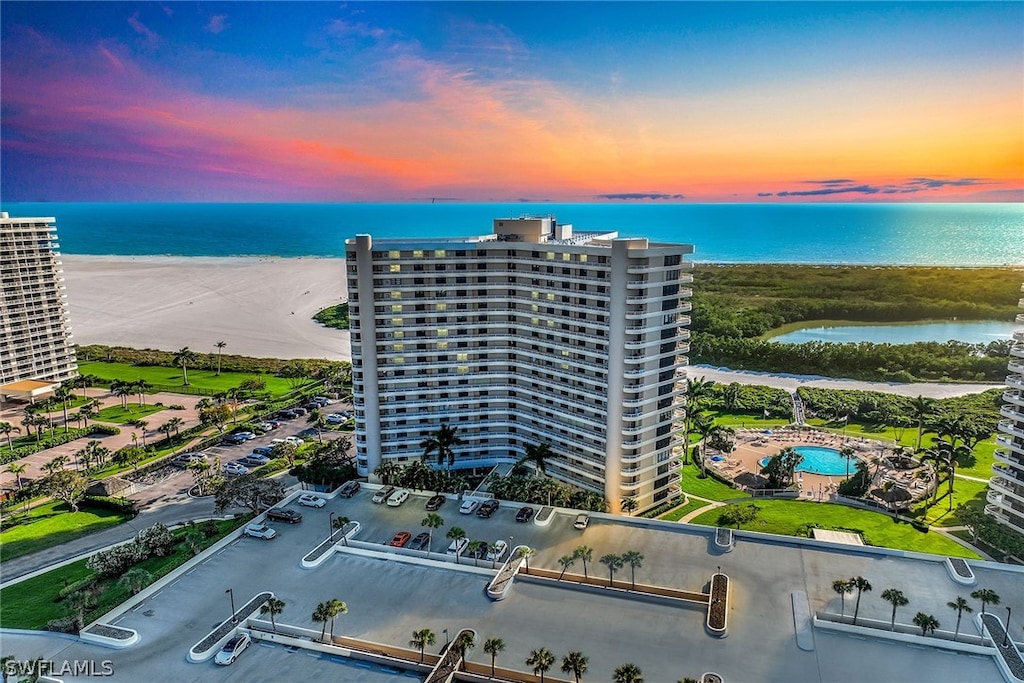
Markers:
(456, 547)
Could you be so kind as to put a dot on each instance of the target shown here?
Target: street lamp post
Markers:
(331, 523)
(1006, 631)
(231, 594)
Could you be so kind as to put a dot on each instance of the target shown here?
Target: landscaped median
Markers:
(718, 606)
(215, 639)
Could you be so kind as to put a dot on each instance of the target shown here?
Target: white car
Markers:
(323, 399)
(469, 506)
(311, 501)
(497, 551)
(456, 547)
(582, 521)
(294, 439)
(398, 497)
(257, 530)
(234, 647)
(335, 418)
(235, 468)
(266, 426)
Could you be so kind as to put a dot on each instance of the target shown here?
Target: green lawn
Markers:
(709, 488)
(120, 415)
(53, 523)
(965, 491)
(200, 379)
(676, 514)
(33, 602)
(746, 421)
(785, 517)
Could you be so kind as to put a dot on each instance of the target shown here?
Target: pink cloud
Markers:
(143, 30)
(217, 24)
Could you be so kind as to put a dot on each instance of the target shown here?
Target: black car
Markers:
(477, 552)
(284, 515)
(299, 411)
(287, 414)
(525, 514)
(349, 489)
(435, 502)
(420, 542)
(487, 508)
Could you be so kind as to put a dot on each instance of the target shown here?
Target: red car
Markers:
(400, 539)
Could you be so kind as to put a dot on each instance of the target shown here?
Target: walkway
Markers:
(792, 382)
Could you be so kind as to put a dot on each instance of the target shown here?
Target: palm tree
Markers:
(464, 641)
(961, 606)
(175, 423)
(494, 549)
(166, 428)
(575, 663)
(17, 469)
(87, 411)
(526, 553)
(220, 349)
(320, 616)
(317, 419)
(122, 390)
(493, 646)
(844, 587)
(421, 639)
(432, 521)
(927, 623)
(566, 561)
(898, 600)
(629, 505)
(339, 524)
(185, 357)
(987, 597)
(273, 607)
(443, 442)
(141, 426)
(56, 464)
(862, 586)
(921, 409)
(635, 560)
(703, 425)
(541, 660)
(456, 534)
(141, 387)
(475, 549)
(63, 394)
(537, 454)
(628, 673)
(6, 428)
(586, 554)
(334, 608)
(848, 454)
(696, 391)
(134, 579)
(614, 563)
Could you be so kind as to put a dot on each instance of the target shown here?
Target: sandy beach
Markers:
(259, 306)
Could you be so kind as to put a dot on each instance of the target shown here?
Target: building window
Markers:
(439, 253)
(398, 347)
(395, 268)
(442, 332)
(396, 308)
(442, 345)
(396, 295)
(398, 334)
(394, 254)
(418, 253)
(396, 322)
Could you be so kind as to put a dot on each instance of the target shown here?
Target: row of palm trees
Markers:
(926, 622)
(540, 660)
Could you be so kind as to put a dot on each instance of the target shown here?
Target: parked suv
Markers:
(284, 515)
(383, 494)
(349, 489)
(487, 508)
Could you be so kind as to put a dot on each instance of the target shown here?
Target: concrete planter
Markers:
(718, 606)
(960, 571)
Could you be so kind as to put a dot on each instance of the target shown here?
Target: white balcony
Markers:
(1006, 488)
(1015, 397)
(1011, 427)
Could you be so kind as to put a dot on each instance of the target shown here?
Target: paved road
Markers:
(791, 382)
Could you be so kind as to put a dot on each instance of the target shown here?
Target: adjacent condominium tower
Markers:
(533, 334)
(1006, 488)
(35, 338)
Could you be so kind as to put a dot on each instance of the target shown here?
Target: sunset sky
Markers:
(565, 101)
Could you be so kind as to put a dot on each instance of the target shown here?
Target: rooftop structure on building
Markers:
(36, 351)
(1006, 487)
(532, 334)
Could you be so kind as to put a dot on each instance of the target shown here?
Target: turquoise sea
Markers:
(868, 234)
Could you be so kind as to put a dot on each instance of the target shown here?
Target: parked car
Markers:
(324, 400)
(420, 542)
(382, 494)
(234, 647)
(525, 514)
(264, 450)
(349, 488)
(234, 468)
(398, 497)
(257, 530)
(248, 436)
(311, 501)
(254, 460)
(435, 502)
(234, 439)
(400, 539)
(487, 508)
(284, 515)
(183, 460)
(267, 426)
(469, 506)
(497, 551)
(335, 419)
(476, 550)
(299, 411)
(297, 440)
(582, 521)
(458, 546)
(287, 414)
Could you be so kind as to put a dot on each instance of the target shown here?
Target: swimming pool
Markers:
(818, 460)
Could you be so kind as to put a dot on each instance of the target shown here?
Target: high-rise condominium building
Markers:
(533, 334)
(35, 337)
(1006, 488)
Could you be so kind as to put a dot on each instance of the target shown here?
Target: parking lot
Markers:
(387, 600)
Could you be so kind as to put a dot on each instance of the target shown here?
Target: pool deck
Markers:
(754, 445)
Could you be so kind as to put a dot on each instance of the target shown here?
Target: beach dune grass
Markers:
(172, 377)
(53, 523)
(786, 517)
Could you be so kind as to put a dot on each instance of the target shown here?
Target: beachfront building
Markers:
(36, 352)
(1006, 488)
(533, 334)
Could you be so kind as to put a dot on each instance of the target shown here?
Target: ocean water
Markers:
(867, 234)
